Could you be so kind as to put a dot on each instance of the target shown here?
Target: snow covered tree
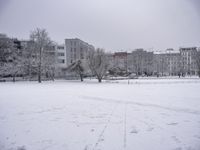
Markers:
(6, 46)
(78, 68)
(43, 54)
(30, 59)
(10, 58)
(98, 63)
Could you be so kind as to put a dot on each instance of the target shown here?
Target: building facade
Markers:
(120, 60)
(141, 62)
(76, 49)
(188, 55)
(167, 63)
(61, 56)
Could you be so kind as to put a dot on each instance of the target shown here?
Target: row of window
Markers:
(81, 49)
(60, 47)
(61, 54)
(73, 43)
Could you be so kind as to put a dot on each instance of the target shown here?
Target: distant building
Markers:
(167, 62)
(188, 60)
(70, 52)
(141, 62)
(76, 49)
(110, 58)
(159, 64)
(61, 58)
(120, 60)
(173, 62)
(3, 36)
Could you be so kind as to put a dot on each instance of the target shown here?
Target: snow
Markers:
(152, 114)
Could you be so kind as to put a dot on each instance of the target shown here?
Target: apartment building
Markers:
(76, 49)
(188, 60)
(141, 62)
(167, 62)
(120, 60)
(61, 56)
(173, 62)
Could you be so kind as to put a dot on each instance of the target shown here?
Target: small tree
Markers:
(78, 68)
(98, 63)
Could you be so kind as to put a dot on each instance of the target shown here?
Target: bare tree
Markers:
(41, 45)
(98, 63)
(78, 68)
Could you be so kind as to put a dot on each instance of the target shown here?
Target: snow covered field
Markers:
(63, 115)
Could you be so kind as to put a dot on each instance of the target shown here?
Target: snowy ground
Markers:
(142, 115)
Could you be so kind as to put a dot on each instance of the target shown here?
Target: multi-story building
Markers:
(167, 62)
(61, 56)
(120, 60)
(110, 58)
(61, 60)
(141, 62)
(76, 49)
(188, 60)
(70, 52)
(173, 62)
(159, 64)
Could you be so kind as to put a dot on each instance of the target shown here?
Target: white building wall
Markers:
(76, 49)
(61, 60)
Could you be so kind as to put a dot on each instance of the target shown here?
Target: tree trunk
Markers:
(29, 71)
(39, 67)
(13, 78)
(39, 78)
(53, 75)
(81, 76)
(39, 73)
(199, 73)
(99, 79)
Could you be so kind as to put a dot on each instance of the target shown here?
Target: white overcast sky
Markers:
(111, 24)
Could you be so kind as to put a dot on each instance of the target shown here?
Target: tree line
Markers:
(36, 59)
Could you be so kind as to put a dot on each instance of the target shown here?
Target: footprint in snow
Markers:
(176, 139)
(92, 130)
(21, 148)
(150, 129)
(134, 130)
(172, 124)
(190, 148)
(197, 136)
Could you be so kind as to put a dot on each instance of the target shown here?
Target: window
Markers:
(60, 47)
(61, 61)
(82, 56)
(61, 54)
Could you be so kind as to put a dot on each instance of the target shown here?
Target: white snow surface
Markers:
(70, 115)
